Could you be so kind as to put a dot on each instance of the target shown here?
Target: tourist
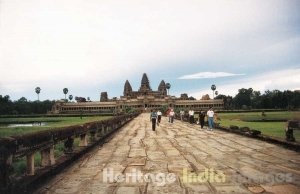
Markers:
(153, 117)
(210, 118)
(168, 114)
(191, 116)
(158, 117)
(181, 114)
(201, 118)
(172, 114)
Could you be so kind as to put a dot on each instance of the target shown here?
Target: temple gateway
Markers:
(143, 99)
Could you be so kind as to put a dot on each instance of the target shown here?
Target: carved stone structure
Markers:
(103, 97)
(184, 96)
(143, 99)
(205, 97)
(290, 126)
(145, 89)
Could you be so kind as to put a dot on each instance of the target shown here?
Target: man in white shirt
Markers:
(172, 114)
(191, 116)
(210, 118)
(181, 115)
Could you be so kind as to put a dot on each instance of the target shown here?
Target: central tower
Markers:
(145, 85)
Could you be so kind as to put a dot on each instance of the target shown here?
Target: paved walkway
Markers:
(180, 158)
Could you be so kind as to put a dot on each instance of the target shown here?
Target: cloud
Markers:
(205, 75)
(287, 79)
(94, 43)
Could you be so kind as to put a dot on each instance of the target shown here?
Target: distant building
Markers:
(184, 96)
(143, 99)
(205, 97)
(145, 89)
(103, 97)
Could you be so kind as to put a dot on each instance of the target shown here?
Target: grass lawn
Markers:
(51, 122)
(275, 129)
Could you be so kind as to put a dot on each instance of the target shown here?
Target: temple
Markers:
(145, 89)
(143, 99)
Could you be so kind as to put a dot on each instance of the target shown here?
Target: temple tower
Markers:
(162, 88)
(103, 97)
(145, 85)
(127, 89)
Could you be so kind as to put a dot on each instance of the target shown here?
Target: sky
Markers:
(91, 46)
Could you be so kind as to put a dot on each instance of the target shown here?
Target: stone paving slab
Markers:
(180, 158)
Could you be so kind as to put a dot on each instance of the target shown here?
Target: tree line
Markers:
(245, 99)
(250, 99)
(23, 106)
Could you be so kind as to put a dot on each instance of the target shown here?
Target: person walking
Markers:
(191, 116)
(210, 118)
(181, 114)
(201, 118)
(172, 114)
(153, 117)
(168, 114)
(158, 117)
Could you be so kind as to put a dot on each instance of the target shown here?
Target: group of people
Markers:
(155, 117)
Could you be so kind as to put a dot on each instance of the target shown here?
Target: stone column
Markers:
(6, 166)
(105, 130)
(102, 130)
(47, 156)
(93, 134)
(83, 140)
(69, 145)
(30, 164)
(99, 132)
(112, 127)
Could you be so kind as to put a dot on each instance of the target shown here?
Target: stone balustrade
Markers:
(44, 141)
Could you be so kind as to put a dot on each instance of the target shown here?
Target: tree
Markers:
(216, 93)
(243, 98)
(6, 105)
(213, 88)
(70, 97)
(65, 90)
(38, 91)
(226, 99)
(168, 86)
(23, 106)
(266, 99)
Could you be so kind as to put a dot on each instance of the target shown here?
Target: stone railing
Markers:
(291, 125)
(28, 145)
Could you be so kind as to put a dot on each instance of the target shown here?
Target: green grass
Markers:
(275, 129)
(52, 122)
(19, 164)
(257, 115)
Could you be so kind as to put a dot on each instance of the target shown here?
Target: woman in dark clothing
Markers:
(201, 118)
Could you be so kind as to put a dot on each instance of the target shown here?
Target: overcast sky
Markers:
(91, 46)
